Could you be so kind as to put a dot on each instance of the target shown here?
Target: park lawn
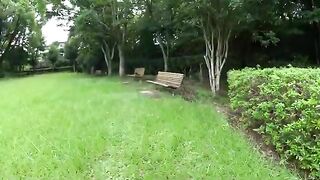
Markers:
(68, 126)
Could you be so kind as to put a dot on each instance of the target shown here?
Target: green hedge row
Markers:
(182, 64)
(282, 105)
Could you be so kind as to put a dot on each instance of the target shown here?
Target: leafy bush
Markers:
(282, 105)
(185, 64)
(62, 62)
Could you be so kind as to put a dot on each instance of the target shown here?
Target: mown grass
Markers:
(66, 126)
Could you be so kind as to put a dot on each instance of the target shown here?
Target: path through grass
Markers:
(65, 126)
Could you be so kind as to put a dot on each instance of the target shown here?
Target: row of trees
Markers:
(111, 26)
(21, 39)
(20, 29)
(119, 29)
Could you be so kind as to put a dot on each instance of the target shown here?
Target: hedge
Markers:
(283, 106)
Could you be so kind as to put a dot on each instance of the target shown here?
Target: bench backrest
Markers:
(171, 79)
(139, 72)
(98, 72)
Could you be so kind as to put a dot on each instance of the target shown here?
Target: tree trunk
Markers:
(110, 68)
(108, 56)
(74, 66)
(122, 60)
(165, 60)
(165, 53)
(217, 47)
(201, 73)
(92, 70)
(1, 69)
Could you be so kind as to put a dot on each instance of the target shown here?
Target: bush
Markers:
(183, 64)
(62, 62)
(283, 106)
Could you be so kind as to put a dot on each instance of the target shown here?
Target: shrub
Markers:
(62, 62)
(283, 106)
(186, 64)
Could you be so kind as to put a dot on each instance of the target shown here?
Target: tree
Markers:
(122, 14)
(19, 21)
(109, 21)
(17, 58)
(217, 19)
(71, 51)
(53, 54)
(98, 35)
(165, 31)
(312, 16)
(36, 44)
(159, 18)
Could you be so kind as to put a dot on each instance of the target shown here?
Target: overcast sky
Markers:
(56, 29)
(53, 31)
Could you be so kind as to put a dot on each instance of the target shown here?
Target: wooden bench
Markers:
(168, 79)
(138, 72)
(98, 72)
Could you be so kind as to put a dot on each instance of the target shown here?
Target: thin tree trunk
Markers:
(201, 73)
(165, 60)
(122, 60)
(217, 47)
(108, 56)
(111, 59)
(74, 66)
(92, 70)
(165, 53)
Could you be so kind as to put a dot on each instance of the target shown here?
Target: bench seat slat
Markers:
(168, 79)
(169, 82)
(158, 83)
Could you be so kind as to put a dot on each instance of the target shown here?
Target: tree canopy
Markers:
(118, 33)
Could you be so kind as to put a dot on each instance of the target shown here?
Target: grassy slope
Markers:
(73, 126)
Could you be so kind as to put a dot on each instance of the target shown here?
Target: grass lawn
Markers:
(66, 126)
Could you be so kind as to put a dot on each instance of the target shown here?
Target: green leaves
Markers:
(313, 16)
(20, 27)
(53, 54)
(282, 104)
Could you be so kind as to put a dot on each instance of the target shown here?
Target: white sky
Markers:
(53, 31)
(57, 29)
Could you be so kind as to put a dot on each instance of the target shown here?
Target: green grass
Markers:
(65, 126)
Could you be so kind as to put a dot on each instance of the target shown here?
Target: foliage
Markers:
(53, 54)
(36, 45)
(93, 128)
(160, 19)
(18, 24)
(20, 31)
(88, 60)
(217, 20)
(283, 105)
(18, 57)
(71, 51)
(275, 29)
(108, 22)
